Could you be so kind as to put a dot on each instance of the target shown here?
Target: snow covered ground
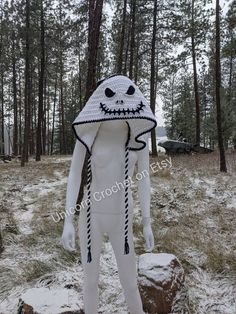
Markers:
(194, 217)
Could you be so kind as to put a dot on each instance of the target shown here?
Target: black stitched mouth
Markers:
(120, 111)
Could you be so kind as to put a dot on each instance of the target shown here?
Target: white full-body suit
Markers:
(107, 210)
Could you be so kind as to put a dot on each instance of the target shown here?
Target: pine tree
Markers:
(41, 82)
(223, 167)
(27, 104)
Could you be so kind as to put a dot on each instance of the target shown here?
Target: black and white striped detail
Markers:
(89, 179)
(126, 247)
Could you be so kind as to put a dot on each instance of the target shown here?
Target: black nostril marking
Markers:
(119, 102)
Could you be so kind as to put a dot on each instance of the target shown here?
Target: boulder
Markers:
(24, 308)
(56, 300)
(160, 277)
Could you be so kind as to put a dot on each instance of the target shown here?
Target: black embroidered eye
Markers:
(130, 90)
(109, 93)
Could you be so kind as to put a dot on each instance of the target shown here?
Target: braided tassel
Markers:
(89, 176)
(126, 247)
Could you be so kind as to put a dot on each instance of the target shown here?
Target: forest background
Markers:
(167, 47)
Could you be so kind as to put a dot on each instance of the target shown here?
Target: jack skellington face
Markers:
(121, 103)
(115, 98)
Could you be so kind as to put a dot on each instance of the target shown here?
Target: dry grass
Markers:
(35, 252)
(204, 162)
(35, 269)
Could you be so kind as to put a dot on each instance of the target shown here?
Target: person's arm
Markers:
(144, 191)
(73, 186)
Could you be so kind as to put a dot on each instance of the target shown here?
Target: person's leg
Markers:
(91, 270)
(127, 268)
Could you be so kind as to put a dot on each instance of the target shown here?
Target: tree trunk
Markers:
(132, 39)
(95, 15)
(32, 112)
(172, 106)
(230, 71)
(195, 78)
(2, 93)
(20, 116)
(47, 118)
(223, 167)
(61, 110)
(53, 115)
(24, 157)
(122, 39)
(127, 49)
(80, 86)
(44, 118)
(2, 98)
(136, 60)
(41, 81)
(14, 88)
(153, 79)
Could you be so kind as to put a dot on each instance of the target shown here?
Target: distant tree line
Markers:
(167, 47)
(188, 91)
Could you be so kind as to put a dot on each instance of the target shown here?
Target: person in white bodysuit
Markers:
(109, 213)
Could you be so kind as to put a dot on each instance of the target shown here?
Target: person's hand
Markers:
(148, 236)
(68, 237)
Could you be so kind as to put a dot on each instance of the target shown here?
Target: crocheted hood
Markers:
(115, 98)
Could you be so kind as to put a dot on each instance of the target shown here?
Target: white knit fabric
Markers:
(132, 108)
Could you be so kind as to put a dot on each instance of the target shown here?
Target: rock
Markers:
(28, 309)
(160, 277)
(56, 300)
(24, 308)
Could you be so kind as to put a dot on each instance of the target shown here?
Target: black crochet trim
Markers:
(116, 118)
(120, 111)
(126, 244)
(128, 137)
(89, 180)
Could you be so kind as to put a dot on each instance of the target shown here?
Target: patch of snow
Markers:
(150, 260)
(58, 159)
(196, 257)
(210, 223)
(197, 182)
(52, 300)
(44, 187)
(9, 304)
(210, 187)
(156, 266)
(232, 203)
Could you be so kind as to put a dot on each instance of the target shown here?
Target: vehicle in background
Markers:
(181, 147)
